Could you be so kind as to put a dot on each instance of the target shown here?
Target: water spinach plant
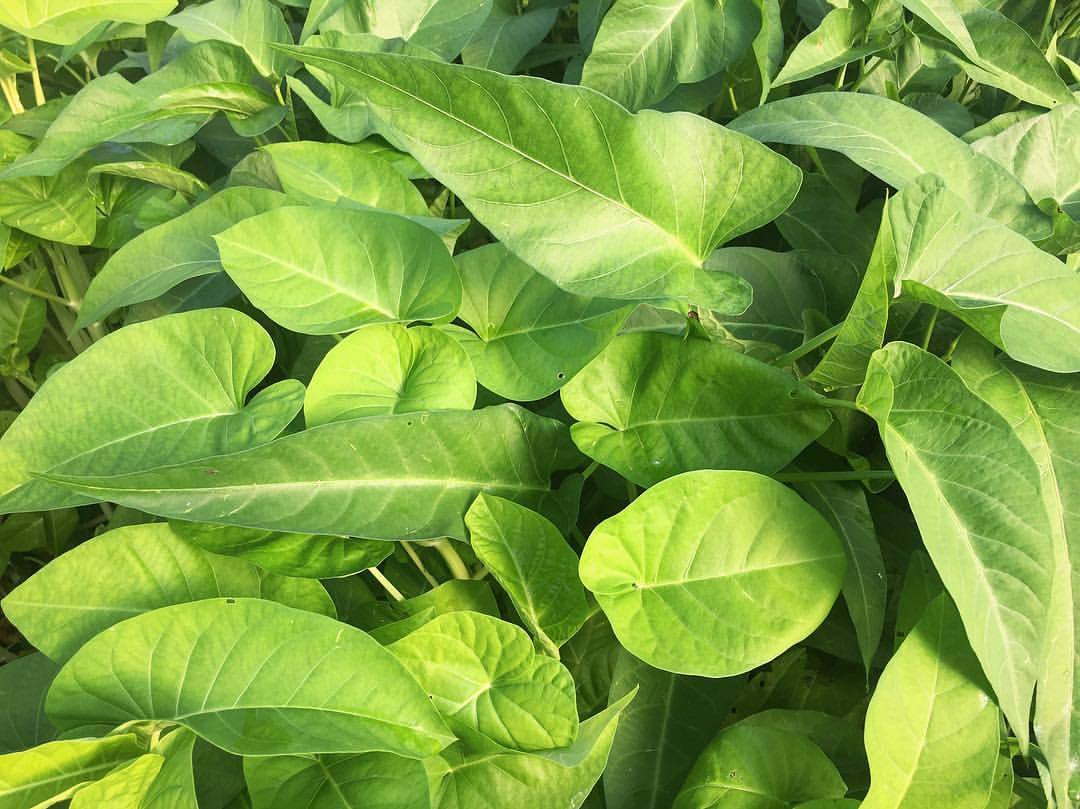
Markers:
(540, 404)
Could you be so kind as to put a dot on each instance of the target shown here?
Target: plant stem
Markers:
(843, 404)
(589, 470)
(35, 74)
(11, 95)
(416, 560)
(929, 330)
(16, 392)
(813, 343)
(457, 566)
(815, 477)
(38, 293)
(387, 585)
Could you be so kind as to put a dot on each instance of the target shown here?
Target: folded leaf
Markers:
(409, 476)
(40, 773)
(139, 568)
(714, 572)
(654, 405)
(975, 493)
(184, 378)
(123, 788)
(602, 202)
(248, 24)
(280, 681)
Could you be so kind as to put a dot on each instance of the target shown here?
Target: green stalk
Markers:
(810, 345)
(387, 585)
(457, 566)
(416, 560)
(35, 74)
(16, 392)
(37, 293)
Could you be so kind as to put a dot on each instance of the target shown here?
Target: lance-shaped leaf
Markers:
(643, 50)
(174, 786)
(249, 24)
(442, 26)
(975, 493)
(123, 788)
(662, 732)
(714, 572)
(409, 476)
(898, 144)
(160, 258)
(602, 202)
(325, 270)
(841, 37)
(931, 728)
(528, 556)
(481, 774)
(1044, 410)
(251, 677)
(23, 683)
(387, 368)
(777, 768)
(69, 21)
(1014, 294)
(507, 35)
(138, 568)
(363, 781)
(184, 378)
(533, 336)
(653, 405)
(485, 675)
(34, 776)
(311, 556)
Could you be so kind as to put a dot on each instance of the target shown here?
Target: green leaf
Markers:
(1041, 152)
(157, 173)
(365, 781)
(975, 493)
(326, 270)
(653, 405)
(644, 50)
(533, 336)
(59, 208)
(759, 768)
(385, 477)
(528, 556)
(139, 568)
(22, 320)
(507, 35)
(310, 556)
(555, 779)
(249, 24)
(842, 37)
(484, 675)
(182, 248)
(1014, 294)
(168, 390)
(931, 728)
(386, 368)
(174, 787)
(1042, 409)
(23, 683)
(714, 572)
(661, 733)
(329, 172)
(123, 788)
(589, 203)
(36, 775)
(898, 145)
(279, 681)
(68, 21)
(441, 26)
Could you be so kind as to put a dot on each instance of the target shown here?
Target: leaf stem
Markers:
(387, 585)
(457, 566)
(816, 477)
(38, 293)
(35, 74)
(11, 95)
(416, 560)
(810, 345)
(930, 330)
(16, 392)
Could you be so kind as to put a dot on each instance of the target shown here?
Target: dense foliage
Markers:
(532, 404)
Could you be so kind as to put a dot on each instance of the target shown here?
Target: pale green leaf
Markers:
(123, 788)
(68, 21)
(714, 572)
(507, 35)
(139, 568)
(842, 37)
(249, 24)
(174, 787)
(654, 405)
(441, 26)
(975, 494)
(154, 172)
(59, 208)
(278, 681)
(36, 775)
(364, 781)
(608, 204)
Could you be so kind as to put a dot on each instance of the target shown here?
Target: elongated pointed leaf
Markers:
(604, 203)
(654, 405)
(23, 683)
(714, 572)
(35, 775)
(931, 729)
(249, 24)
(174, 786)
(840, 38)
(899, 145)
(975, 493)
(364, 781)
(123, 788)
(139, 568)
(184, 378)
(528, 556)
(409, 476)
(442, 26)
(280, 681)
(325, 270)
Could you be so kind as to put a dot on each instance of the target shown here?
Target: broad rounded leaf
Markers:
(483, 674)
(328, 270)
(23, 683)
(137, 569)
(364, 781)
(249, 24)
(251, 677)
(653, 405)
(69, 21)
(386, 368)
(604, 203)
(164, 391)
(714, 572)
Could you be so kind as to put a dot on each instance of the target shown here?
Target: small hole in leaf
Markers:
(230, 600)
(560, 375)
